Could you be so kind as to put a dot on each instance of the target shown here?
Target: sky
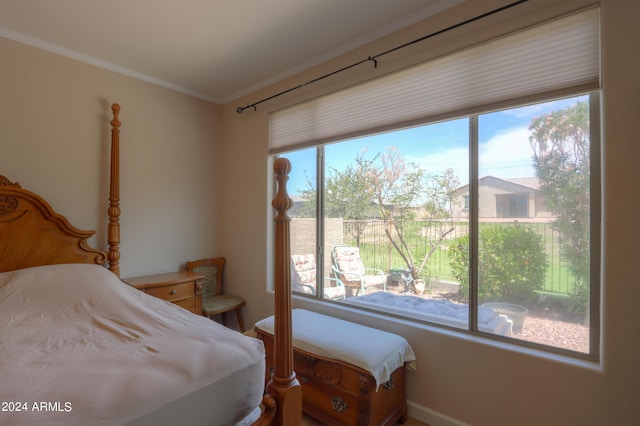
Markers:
(504, 149)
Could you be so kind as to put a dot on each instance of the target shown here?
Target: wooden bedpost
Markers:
(283, 386)
(113, 237)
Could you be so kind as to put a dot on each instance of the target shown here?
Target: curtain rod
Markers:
(374, 59)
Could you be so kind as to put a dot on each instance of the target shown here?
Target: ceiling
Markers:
(217, 50)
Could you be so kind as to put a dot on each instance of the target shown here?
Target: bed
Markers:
(80, 346)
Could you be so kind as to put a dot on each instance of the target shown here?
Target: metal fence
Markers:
(377, 251)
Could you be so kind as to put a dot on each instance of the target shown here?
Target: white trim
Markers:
(91, 60)
(431, 417)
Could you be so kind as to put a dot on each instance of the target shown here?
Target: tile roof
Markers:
(531, 182)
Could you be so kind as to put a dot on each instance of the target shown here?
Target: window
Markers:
(485, 222)
(512, 205)
(518, 206)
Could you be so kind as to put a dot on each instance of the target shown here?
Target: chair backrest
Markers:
(303, 272)
(347, 259)
(212, 269)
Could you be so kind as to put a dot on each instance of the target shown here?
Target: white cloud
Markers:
(506, 155)
(437, 162)
(529, 111)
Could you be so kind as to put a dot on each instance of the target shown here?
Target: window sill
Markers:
(413, 330)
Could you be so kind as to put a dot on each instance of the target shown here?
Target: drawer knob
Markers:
(173, 291)
(388, 385)
(338, 404)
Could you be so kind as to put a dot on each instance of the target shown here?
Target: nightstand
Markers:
(183, 288)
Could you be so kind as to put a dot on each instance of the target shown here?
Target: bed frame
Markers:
(33, 234)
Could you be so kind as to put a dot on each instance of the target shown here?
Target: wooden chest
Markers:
(338, 393)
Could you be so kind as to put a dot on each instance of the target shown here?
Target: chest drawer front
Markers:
(308, 367)
(331, 405)
(172, 292)
(337, 394)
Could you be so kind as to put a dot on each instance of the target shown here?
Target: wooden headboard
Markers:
(33, 234)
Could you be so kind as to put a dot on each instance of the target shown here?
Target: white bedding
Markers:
(85, 348)
(436, 311)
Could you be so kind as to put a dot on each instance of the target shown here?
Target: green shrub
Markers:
(512, 263)
(459, 260)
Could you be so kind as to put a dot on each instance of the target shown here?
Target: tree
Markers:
(560, 142)
(387, 187)
(348, 195)
(402, 188)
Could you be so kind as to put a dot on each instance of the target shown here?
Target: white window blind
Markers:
(555, 57)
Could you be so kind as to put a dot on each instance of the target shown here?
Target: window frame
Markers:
(473, 218)
(311, 123)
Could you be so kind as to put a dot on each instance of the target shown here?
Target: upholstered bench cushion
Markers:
(375, 351)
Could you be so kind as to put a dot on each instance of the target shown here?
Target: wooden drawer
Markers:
(330, 404)
(337, 393)
(172, 292)
(182, 288)
(189, 304)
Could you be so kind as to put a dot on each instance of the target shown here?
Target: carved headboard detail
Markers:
(32, 234)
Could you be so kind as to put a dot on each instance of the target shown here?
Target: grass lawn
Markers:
(377, 252)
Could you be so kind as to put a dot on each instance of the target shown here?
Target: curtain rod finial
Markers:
(240, 110)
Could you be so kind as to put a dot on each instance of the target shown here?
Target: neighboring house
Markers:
(504, 198)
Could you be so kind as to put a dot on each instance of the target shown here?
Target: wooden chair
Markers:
(213, 300)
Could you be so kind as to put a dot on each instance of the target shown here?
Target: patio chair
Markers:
(348, 267)
(303, 278)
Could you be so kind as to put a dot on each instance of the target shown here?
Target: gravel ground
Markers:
(555, 332)
(547, 324)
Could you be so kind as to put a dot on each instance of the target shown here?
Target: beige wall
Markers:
(303, 237)
(54, 140)
(465, 379)
(195, 182)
